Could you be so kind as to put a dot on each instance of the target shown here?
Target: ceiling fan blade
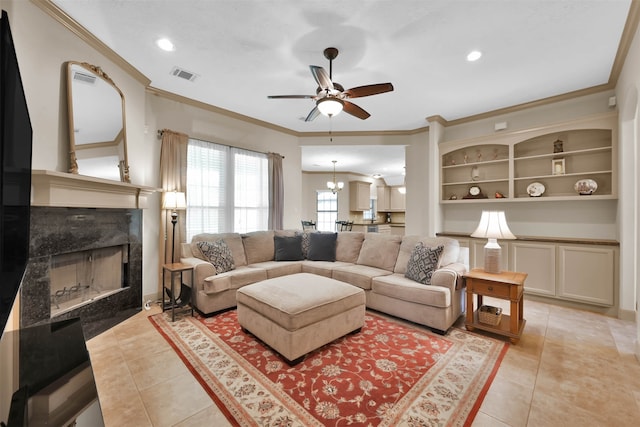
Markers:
(354, 110)
(291, 96)
(368, 90)
(321, 76)
(313, 114)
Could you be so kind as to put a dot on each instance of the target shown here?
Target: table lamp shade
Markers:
(492, 226)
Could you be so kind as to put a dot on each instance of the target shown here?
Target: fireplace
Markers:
(84, 262)
(85, 251)
(79, 278)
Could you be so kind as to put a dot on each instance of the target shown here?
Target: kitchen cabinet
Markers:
(397, 200)
(359, 196)
(384, 201)
(390, 199)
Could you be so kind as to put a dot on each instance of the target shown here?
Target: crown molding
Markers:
(630, 28)
(72, 25)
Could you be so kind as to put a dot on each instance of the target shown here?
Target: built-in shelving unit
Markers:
(556, 156)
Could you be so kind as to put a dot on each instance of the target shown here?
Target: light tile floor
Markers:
(571, 368)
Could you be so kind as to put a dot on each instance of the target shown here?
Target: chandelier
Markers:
(334, 185)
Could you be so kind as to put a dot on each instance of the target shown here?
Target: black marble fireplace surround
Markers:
(57, 230)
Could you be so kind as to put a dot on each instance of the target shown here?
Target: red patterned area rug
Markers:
(389, 374)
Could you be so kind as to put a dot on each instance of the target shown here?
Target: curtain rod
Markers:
(161, 132)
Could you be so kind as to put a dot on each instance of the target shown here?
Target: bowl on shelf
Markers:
(586, 187)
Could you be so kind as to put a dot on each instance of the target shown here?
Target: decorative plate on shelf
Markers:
(535, 189)
(586, 187)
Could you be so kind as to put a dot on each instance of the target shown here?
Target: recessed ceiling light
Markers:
(474, 55)
(165, 44)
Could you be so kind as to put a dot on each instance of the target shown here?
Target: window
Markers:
(327, 210)
(369, 214)
(227, 189)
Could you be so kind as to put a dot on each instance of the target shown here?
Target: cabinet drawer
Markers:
(492, 289)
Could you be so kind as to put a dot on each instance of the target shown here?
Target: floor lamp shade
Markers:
(493, 226)
(174, 200)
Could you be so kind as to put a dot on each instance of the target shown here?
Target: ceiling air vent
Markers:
(85, 78)
(183, 74)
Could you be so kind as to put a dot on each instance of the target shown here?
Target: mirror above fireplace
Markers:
(97, 127)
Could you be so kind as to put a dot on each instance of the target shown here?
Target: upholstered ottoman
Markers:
(301, 312)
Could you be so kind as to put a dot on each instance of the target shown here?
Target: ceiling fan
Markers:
(330, 97)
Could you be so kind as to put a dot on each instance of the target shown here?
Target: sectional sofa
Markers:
(377, 263)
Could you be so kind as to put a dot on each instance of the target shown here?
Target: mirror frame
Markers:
(97, 71)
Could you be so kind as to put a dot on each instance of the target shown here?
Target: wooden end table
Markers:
(173, 269)
(507, 285)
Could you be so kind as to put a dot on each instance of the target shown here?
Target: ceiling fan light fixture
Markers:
(330, 106)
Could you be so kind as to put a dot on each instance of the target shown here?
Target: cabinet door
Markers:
(538, 260)
(397, 200)
(383, 198)
(359, 195)
(476, 253)
(587, 273)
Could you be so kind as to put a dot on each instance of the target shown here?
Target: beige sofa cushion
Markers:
(233, 240)
(358, 275)
(279, 268)
(323, 268)
(449, 253)
(380, 251)
(259, 246)
(348, 246)
(233, 279)
(399, 287)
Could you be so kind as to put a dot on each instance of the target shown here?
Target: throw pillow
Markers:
(288, 248)
(305, 242)
(423, 262)
(218, 254)
(322, 246)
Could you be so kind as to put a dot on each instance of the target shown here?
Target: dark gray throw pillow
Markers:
(423, 262)
(322, 246)
(288, 248)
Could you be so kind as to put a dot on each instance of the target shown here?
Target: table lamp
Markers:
(493, 226)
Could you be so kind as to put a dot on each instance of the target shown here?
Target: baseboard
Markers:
(629, 315)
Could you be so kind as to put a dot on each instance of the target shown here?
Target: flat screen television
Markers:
(15, 174)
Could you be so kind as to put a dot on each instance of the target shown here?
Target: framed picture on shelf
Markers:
(557, 167)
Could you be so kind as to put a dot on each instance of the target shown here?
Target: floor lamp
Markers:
(493, 226)
(174, 200)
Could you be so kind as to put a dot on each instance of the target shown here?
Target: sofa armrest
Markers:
(202, 270)
(450, 276)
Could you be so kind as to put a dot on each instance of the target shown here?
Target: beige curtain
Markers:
(173, 176)
(276, 192)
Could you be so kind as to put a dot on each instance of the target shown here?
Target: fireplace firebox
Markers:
(83, 262)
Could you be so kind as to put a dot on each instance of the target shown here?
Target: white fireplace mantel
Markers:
(61, 189)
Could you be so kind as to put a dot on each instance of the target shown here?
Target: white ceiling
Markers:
(245, 50)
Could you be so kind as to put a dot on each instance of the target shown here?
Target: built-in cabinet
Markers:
(538, 164)
(390, 199)
(568, 269)
(359, 196)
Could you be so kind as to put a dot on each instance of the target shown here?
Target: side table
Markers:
(507, 285)
(174, 269)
